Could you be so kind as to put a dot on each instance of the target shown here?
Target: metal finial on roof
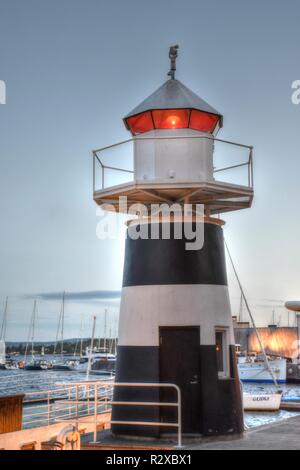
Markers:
(173, 54)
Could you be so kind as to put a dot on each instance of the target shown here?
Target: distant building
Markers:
(277, 341)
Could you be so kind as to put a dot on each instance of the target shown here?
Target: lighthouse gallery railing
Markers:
(104, 168)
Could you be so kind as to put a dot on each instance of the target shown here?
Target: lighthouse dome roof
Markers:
(173, 95)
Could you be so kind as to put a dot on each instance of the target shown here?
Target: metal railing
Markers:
(103, 167)
(106, 401)
(65, 402)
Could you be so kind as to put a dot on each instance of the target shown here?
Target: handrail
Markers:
(207, 137)
(78, 401)
(95, 399)
(248, 163)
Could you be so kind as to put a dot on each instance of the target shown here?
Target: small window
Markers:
(222, 353)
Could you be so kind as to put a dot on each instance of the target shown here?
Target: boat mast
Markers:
(62, 323)
(91, 348)
(241, 309)
(81, 336)
(4, 322)
(267, 365)
(60, 326)
(31, 331)
(79, 339)
(105, 325)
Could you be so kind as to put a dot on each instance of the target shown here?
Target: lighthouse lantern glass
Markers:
(140, 123)
(204, 122)
(173, 119)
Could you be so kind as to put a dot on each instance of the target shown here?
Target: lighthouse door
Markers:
(179, 355)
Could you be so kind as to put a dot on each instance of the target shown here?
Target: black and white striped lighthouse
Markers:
(175, 319)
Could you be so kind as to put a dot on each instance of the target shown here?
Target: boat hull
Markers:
(257, 372)
(269, 402)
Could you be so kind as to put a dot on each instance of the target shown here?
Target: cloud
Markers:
(87, 296)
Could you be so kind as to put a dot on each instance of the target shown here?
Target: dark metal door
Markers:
(179, 354)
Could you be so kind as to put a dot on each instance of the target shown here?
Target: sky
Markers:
(72, 70)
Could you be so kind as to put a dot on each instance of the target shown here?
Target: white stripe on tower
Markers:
(145, 308)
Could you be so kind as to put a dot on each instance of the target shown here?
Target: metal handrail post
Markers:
(251, 167)
(77, 406)
(94, 171)
(69, 397)
(48, 404)
(95, 410)
(179, 417)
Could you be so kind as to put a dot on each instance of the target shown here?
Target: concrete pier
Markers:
(282, 435)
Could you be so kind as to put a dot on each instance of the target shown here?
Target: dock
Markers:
(282, 435)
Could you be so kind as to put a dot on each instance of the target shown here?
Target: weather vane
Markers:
(173, 54)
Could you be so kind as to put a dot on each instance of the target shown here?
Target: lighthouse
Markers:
(175, 321)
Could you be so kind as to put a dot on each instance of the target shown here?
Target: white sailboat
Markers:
(254, 370)
(2, 354)
(33, 364)
(6, 363)
(262, 402)
(266, 401)
(69, 364)
(2, 337)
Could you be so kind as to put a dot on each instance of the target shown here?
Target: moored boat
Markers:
(36, 365)
(255, 370)
(11, 365)
(262, 402)
(66, 365)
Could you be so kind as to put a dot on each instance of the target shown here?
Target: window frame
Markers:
(225, 373)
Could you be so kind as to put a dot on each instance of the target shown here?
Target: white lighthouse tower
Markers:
(175, 319)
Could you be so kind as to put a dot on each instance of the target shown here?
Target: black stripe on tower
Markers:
(220, 412)
(161, 262)
(136, 364)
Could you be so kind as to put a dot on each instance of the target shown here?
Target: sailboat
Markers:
(34, 364)
(2, 354)
(65, 365)
(103, 359)
(252, 367)
(264, 401)
(2, 337)
(5, 361)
